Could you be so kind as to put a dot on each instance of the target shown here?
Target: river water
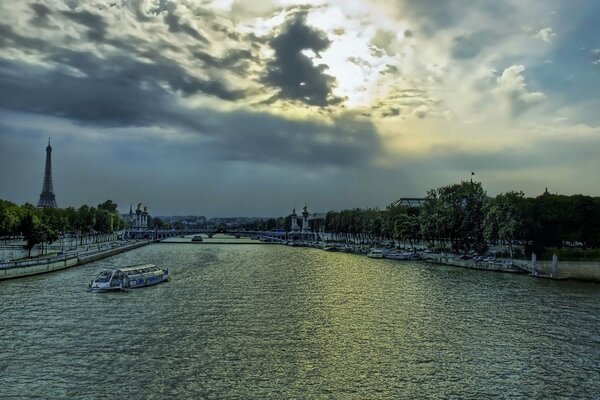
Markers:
(273, 322)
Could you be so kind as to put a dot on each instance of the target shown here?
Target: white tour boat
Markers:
(130, 277)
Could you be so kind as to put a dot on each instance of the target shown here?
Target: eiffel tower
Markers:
(47, 198)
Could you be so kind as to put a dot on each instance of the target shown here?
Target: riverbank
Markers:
(577, 270)
(497, 266)
(588, 271)
(18, 269)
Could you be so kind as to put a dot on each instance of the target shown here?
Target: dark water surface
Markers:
(274, 322)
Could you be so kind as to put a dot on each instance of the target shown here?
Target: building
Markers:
(138, 222)
(47, 197)
(409, 202)
(140, 219)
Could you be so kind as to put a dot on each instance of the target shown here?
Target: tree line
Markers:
(46, 225)
(462, 218)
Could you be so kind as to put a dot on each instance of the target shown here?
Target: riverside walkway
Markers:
(42, 265)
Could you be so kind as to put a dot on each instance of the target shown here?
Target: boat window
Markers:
(104, 276)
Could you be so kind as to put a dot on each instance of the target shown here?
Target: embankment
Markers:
(17, 269)
(471, 264)
(580, 270)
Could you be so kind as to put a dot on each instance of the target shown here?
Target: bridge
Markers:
(158, 234)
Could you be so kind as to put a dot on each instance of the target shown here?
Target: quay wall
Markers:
(471, 264)
(580, 270)
(19, 269)
(88, 258)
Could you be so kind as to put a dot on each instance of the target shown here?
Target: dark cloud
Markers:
(41, 14)
(294, 73)
(235, 60)
(9, 38)
(122, 92)
(117, 101)
(174, 23)
(105, 101)
(257, 137)
(113, 90)
(390, 69)
(93, 22)
(134, 84)
(469, 46)
(391, 112)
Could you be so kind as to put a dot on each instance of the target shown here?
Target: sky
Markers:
(251, 108)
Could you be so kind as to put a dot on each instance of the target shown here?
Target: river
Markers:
(251, 321)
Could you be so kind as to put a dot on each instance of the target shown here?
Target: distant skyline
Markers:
(245, 108)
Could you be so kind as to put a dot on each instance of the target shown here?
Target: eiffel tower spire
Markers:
(47, 198)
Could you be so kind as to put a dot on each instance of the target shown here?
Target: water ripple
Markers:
(272, 322)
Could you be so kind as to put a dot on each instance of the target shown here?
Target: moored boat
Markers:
(405, 256)
(134, 276)
(375, 253)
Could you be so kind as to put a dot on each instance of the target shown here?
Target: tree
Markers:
(109, 206)
(32, 230)
(9, 218)
(155, 223)
(504, 218)
(455, 213)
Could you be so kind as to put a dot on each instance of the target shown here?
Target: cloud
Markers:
(93, 22)
(292, 72)
(41, 14)
(391, 112)
(386, 40)
(512, 91)
(470, 45)
(545, 34)
(170, 11)
(346, 141)
(236, 60)
(421, 111)
(9, 38)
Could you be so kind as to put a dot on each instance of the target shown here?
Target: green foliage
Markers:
(455, 213)
(570, 254)
(9, 218)
(505, 218)
(109, 206)
(46, 225)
